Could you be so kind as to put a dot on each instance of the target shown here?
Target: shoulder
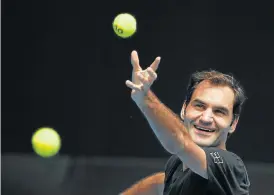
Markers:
(219, 156)
(226, 166)
(172, 163)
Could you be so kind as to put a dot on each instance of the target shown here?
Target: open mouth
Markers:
(203, 129)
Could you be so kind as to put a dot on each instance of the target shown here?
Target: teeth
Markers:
(200, 128)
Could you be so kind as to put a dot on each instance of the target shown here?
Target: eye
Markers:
(220, 112)
(199, 105)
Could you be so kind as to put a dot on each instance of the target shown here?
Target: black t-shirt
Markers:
(226, 172)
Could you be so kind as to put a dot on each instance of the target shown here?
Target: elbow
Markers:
(182, 146)
(170, 146)
(174, 147)
(177, 143)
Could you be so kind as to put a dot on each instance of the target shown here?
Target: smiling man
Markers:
(208, 113)
(199, 162)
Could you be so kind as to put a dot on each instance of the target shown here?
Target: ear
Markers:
(234, 125)
(182, 114)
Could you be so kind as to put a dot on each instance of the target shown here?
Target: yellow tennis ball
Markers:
(124, 25)
(46, 142)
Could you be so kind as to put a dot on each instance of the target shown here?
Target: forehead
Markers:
(214, 95)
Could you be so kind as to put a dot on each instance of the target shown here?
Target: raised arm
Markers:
(173, 135)
(167, 127)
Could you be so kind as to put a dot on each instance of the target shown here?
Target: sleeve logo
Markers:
(217, 158)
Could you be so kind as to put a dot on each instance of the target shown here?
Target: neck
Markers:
(222, 146)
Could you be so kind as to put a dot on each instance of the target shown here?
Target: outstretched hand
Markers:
(141, 79)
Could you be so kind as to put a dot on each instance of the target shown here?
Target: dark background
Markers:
(63, 67)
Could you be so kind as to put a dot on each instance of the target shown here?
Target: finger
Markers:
(135, 61)
(155, 64)
(133, 86)
(152, 73)
(142, 78)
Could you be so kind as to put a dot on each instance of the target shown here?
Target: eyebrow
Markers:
(222, 108)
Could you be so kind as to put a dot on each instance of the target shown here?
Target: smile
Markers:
(203, 129)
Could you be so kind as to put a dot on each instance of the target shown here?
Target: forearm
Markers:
(147, 186)
(166, 125)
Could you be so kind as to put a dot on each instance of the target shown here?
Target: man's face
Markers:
(209, 114)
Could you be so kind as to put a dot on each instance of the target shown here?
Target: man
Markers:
(200, 163)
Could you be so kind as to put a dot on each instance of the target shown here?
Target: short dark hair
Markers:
(218, 78)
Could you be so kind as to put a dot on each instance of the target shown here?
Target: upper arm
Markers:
(194, 157)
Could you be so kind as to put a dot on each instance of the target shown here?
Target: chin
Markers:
(204, 144)
(203, 141)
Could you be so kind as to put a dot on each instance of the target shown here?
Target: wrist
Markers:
(147, 102)
(141, 104)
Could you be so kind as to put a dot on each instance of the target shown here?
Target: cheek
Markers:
(192, 113)
(222, 123)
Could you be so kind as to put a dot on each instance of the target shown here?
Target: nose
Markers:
(206, 117)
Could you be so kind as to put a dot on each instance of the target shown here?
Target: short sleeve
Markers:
(170, 167)
(226, 172)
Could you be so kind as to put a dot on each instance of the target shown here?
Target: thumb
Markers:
(135, 61)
